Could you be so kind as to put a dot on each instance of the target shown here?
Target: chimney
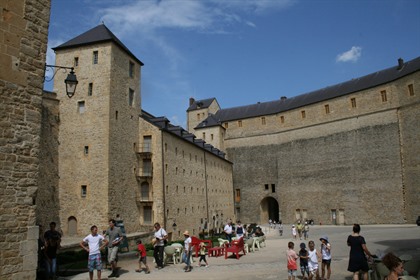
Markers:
(400, 63)
(283, 98)
(192, 100)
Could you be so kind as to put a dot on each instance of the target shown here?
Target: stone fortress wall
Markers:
(23, 45)
(349, 157)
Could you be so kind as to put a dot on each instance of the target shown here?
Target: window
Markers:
(166, 147)
(95, 57)
(411, 90)
(198, 117)
(327, 109)
(147, 167)
(303, 114)
(131, 69)
(281, 119)
(383, 96)
(116, 115)
(130, 97)
(204, 136)
(266, 186)
(353, 102)
(145, 192)
(81, 107)
(76, 61)
(167, 189)
(237, 195)
(147, 214)
(90, 89)
(147, 144)
(84, 191)
(211, 136)
(273, 188)
(226, 125)
(86, 150)
(263, 120)
(240, 123)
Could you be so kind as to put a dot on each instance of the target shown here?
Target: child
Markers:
(291, 261)
(202, 254)
(303, 255)
(326, 257)
(294, 232)
(313, 261)
(142, 257)
(94, 249)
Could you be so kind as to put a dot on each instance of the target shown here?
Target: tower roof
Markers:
(98, 34)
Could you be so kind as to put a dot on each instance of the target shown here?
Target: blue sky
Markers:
(245, 51)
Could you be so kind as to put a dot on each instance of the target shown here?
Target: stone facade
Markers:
(23, 44)
(191, 186)
(340, 161)
(109, 160)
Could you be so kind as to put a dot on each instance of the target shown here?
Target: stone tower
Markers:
(99, 130)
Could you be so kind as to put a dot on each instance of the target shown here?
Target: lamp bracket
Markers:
(55, 69)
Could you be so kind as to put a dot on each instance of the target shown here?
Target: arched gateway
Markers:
(269, 210)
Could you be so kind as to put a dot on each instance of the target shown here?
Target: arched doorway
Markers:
(269, 210)
(72, 226)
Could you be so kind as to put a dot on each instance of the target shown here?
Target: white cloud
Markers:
(351, 55)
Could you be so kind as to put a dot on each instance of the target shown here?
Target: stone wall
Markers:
(23, 43)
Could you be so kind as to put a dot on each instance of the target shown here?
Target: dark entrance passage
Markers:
(269, 210)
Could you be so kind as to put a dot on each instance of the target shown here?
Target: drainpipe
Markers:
(163, 181)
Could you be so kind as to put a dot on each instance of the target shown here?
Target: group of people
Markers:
(309, 260)
(358, 261)
(300, 230)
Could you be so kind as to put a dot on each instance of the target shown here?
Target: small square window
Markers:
(353, 102)
(131, 69)
(95, 57)
(273, 188)
(226, 125)
(303, 114)
(263, 120)
(90, 89)
(411, 90)
(130, 97)
(281, 119)
(240, 123)
(83, 190)
(383, 96)
(86, 150)
(81, 107)
(76, 61)
(266, 186)
(327, 109)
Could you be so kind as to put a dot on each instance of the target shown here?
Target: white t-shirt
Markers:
(326, 253)
(228, 229)
(94, 243)
(187, 244)
(313, 260)
(159, 235)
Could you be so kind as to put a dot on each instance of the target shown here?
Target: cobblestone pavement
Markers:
(270, 262)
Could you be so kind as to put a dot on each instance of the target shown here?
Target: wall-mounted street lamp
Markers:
(71, 80)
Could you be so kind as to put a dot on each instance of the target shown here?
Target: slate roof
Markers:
(98, 34)
(282, 105)
(201, 104)
(163, 124)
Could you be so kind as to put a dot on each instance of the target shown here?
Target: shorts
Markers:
(327, 262)
(95, 262)
(112, 253)
(304, 268)
(143, 259)
(292, 272)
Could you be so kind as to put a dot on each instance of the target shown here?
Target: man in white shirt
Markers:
(228, 231)
(160, 237)
(96, 243)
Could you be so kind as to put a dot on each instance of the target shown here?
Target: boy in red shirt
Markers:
(291, 261)
(142, 257)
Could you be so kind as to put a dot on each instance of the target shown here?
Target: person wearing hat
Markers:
(187, 251)
(303, 256)
(326, 257)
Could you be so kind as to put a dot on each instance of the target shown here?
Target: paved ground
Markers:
(270, 262)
